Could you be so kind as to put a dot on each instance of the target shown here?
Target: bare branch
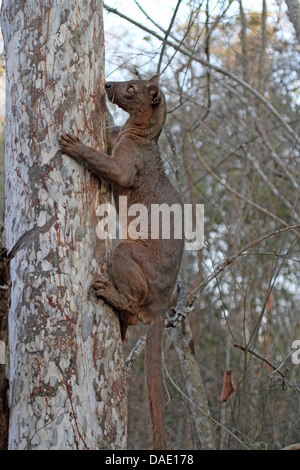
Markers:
(149, 18)
(164, 45)
(264, 359)
(261, 71)
(135, 353)
(204, 413)
(181, 310)
(186, 51)
(236, 193)
(173, 320)
(244, 42)
(257, 167)
(227, 262)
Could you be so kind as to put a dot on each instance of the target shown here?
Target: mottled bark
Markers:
(4, 307)
(194, 385)
(67, 377)
(294, 15)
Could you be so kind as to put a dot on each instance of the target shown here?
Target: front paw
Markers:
(71, 146)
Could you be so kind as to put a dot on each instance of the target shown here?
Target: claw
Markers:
(100, 283)
(69, 138)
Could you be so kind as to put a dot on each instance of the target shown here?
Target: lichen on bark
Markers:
(67, 379)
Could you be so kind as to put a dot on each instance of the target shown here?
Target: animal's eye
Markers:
(130, 90)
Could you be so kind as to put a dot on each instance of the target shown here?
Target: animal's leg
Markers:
(107, 289)
(129, 287)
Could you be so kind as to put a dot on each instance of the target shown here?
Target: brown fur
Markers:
(144, 271)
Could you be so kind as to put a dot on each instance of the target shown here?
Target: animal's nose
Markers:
(107, 85)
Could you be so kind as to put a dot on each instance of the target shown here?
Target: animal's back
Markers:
(163, 241)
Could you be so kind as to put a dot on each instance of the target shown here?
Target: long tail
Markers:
(154, 381)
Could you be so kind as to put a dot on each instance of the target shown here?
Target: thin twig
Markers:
(174, 318)
(282, 363)
(186, 51)
(149, 17)
(184, 307)
(227, 262)
(280, 197)
(202, 411)
(264, 359)
(164, 45)
(236, 193)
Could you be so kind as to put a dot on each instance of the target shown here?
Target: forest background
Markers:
(230, 72)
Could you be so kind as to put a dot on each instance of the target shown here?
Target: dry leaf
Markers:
(228, 386)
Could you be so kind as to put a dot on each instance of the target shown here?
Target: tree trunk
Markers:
(294, 15)
(262, 56)
(4, 307)
(67, 378)
(195, 390)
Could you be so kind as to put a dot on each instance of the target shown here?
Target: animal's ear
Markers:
(155, 94)
(154, 79)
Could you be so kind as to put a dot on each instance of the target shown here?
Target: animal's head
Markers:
(137, 97)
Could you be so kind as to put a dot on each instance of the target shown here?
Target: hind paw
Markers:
(104, 288)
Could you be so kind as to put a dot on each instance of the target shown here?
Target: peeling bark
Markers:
(67, 382)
